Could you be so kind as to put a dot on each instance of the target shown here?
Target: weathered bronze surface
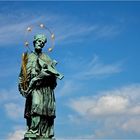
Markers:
(37, 81)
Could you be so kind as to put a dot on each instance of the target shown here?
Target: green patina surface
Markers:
(37, 81)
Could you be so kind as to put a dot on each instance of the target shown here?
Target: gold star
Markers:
(26, 43)
(52, 36)
(50, 49)
(42, 25)
(29, 29)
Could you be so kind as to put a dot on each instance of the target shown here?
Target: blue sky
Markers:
(97, 48)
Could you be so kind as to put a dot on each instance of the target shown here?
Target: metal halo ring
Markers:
(42, 26)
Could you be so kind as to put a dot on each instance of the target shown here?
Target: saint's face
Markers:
(39, 44)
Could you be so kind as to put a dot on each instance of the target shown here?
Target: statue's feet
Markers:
(51, 137)
(30, 134)
(30, 131)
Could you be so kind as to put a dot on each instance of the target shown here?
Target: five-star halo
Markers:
(42, 26)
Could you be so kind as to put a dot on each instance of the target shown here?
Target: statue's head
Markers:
(39, 41)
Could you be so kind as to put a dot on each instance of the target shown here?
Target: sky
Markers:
(97, 46)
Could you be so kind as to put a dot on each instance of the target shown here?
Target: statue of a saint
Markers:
(37, 81)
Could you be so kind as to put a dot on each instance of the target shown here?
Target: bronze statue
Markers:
(37, 81)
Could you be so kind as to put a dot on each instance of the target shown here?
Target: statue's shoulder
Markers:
(45, 56)
(31, 55)
(48, 59)
(28, 56)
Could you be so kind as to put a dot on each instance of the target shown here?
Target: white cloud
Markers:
(12, 103)
(16, 135)
(115, 110)
(95, 68)
(75, 31)
(72, 32)
(68, 88)
(101, 69)
(132, 125)
(107, 31)
(109, 102)
(7, 95)
(13, 28)
(15, 32)
(85, 137)
(74, 138)
(14, 110)
(104, 105)
(109, 105)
